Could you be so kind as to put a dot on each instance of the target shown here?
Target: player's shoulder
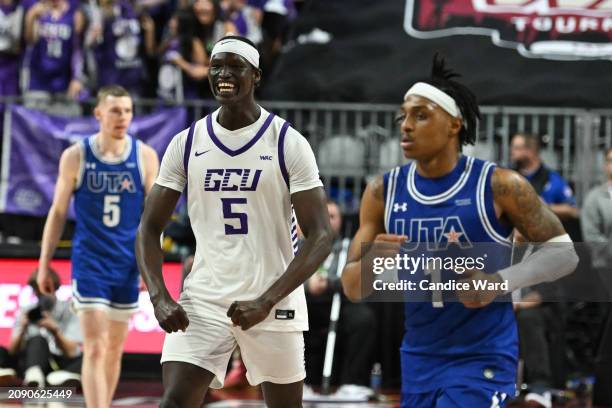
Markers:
(178, 140)
(278, 123)
(73, 153)
(70, 160)
(292, 135)
(149, 158)
(147, 151)
(505, 177)
(182, 135)
(75, 148)
(376, 187)
(292, 139)
(475, 166)
(400, 171)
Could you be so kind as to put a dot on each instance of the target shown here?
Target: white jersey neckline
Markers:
(218, 133)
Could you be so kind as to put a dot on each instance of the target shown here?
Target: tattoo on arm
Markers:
(524, 208)
(378, 188)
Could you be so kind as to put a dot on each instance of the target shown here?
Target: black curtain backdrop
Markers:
(372, 59)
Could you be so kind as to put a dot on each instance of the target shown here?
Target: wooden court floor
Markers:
(145, 394)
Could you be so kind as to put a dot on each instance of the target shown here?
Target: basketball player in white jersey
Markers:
(247, 174)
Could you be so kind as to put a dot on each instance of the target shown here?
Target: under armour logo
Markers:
(403, 207)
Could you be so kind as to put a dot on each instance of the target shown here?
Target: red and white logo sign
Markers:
(144, 336)
(553, 29)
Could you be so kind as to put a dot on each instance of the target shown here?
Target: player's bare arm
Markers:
(159, 205)
(311, 211)
(56, 219)
(151, 166)
(523, 208)
(517, 203)
(371, 229)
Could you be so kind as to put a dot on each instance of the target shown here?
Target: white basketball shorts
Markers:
(210, 339)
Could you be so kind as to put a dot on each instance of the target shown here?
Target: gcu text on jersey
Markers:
(239, 185)
(231, 179)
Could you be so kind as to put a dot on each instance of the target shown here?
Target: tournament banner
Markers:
(554, 29)
(31, 154)
(552, 53)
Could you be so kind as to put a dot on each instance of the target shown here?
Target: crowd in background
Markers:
(68, 49)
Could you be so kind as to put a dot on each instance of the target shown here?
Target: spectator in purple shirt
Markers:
(53, 30)
(245, 17)
(184, 64)
(160, 11)
(121, 42)
(211, 24)
(11, 15)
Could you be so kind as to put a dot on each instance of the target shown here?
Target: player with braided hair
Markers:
(442, 78)
(461, 353)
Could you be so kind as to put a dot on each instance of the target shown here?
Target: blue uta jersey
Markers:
(446, 344)
(108, 201)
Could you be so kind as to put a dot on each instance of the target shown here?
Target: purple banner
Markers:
(37, 140)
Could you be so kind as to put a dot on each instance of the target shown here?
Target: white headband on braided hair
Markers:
(245, 50)
(441, 98)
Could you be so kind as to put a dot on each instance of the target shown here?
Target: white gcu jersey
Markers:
(239, 186)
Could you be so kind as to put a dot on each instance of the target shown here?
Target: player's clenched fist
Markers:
(170, 315)
(390, 238)
(247, 314)
(389, 242)
(386, 246)
(44, 281)
(475, 298)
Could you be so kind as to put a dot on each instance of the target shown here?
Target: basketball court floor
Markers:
(147, 395)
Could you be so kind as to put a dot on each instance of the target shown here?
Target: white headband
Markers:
(239, 47)
(432, 93)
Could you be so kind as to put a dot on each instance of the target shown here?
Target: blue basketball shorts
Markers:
(455, 397)
(119, 301)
